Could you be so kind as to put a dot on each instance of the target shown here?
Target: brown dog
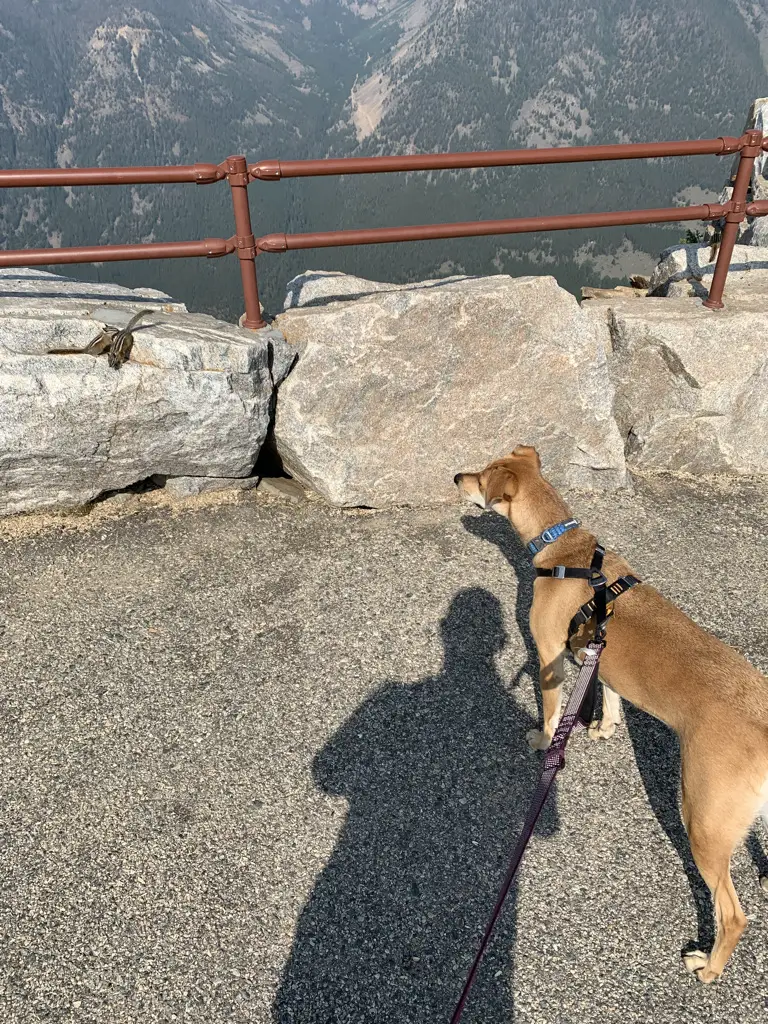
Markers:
(662, 662)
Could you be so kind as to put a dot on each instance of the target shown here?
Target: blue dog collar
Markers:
(550, 535)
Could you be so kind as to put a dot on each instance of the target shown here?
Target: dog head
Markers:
(501, 482)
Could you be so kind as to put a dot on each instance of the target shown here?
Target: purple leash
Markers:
(554, 760)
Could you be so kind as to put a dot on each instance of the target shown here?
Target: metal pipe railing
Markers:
(274, 170)
(210, 247)
(466, 229)
(238, 173)
(203, 174)
(735, 215)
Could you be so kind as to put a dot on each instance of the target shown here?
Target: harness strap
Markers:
(605, 595)
(587, 610)
(597, 609)
(599, 583)
(554, 760)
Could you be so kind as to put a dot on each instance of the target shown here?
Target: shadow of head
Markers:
(497, 531)
(494, 530)
(472, 631)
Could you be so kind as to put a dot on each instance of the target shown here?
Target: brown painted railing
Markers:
(238, 173)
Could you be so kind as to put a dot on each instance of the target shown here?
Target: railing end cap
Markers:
(266, 170)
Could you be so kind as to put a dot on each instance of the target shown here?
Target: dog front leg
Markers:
(551, 675)
(606, 727)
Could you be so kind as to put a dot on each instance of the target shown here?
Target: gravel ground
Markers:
(265, 762)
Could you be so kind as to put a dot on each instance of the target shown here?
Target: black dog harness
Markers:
(600, 607)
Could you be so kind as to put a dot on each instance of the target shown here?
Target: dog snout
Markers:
(457, 478)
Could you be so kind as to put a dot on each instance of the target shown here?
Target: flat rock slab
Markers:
(686, 270)
(399, 387)
(29, 283)
(692, 385)
(194, 400)
(282, 487)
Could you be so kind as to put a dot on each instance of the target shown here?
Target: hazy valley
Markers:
(85, 83)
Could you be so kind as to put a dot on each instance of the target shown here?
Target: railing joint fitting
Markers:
(219, 247)
(751, 143)
(246, 247)
(237, 170)
(272, 243)
(731, 144)
(206, 174)
(736, 212)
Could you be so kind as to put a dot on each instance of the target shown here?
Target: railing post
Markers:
(237, 176)
(734, 217)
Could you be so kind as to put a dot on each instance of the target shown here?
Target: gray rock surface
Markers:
(191, 486)
(686, 270)
(754, 230)
(398, 389)
(692, 385)
(319, 287)
(195, 398)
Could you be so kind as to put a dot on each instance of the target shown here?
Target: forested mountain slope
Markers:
(154, 81)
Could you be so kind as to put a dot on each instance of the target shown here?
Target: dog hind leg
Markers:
(716, 823)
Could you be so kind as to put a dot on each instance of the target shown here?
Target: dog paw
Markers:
(537, 740)
(698, 964)
(601, 730)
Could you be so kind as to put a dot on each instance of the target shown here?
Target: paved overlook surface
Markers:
(265, 763)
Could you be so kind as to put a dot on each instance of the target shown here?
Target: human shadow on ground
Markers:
(655, 746)
(437, 778)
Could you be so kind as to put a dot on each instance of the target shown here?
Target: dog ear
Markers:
(501, 487)
(511, 487)
(527, 451)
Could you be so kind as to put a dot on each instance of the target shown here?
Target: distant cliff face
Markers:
(86, 82)
(498, 72)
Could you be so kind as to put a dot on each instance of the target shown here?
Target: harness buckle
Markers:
(558, 572)
(596, 579)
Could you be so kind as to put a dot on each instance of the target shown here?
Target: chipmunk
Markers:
(117, 341)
